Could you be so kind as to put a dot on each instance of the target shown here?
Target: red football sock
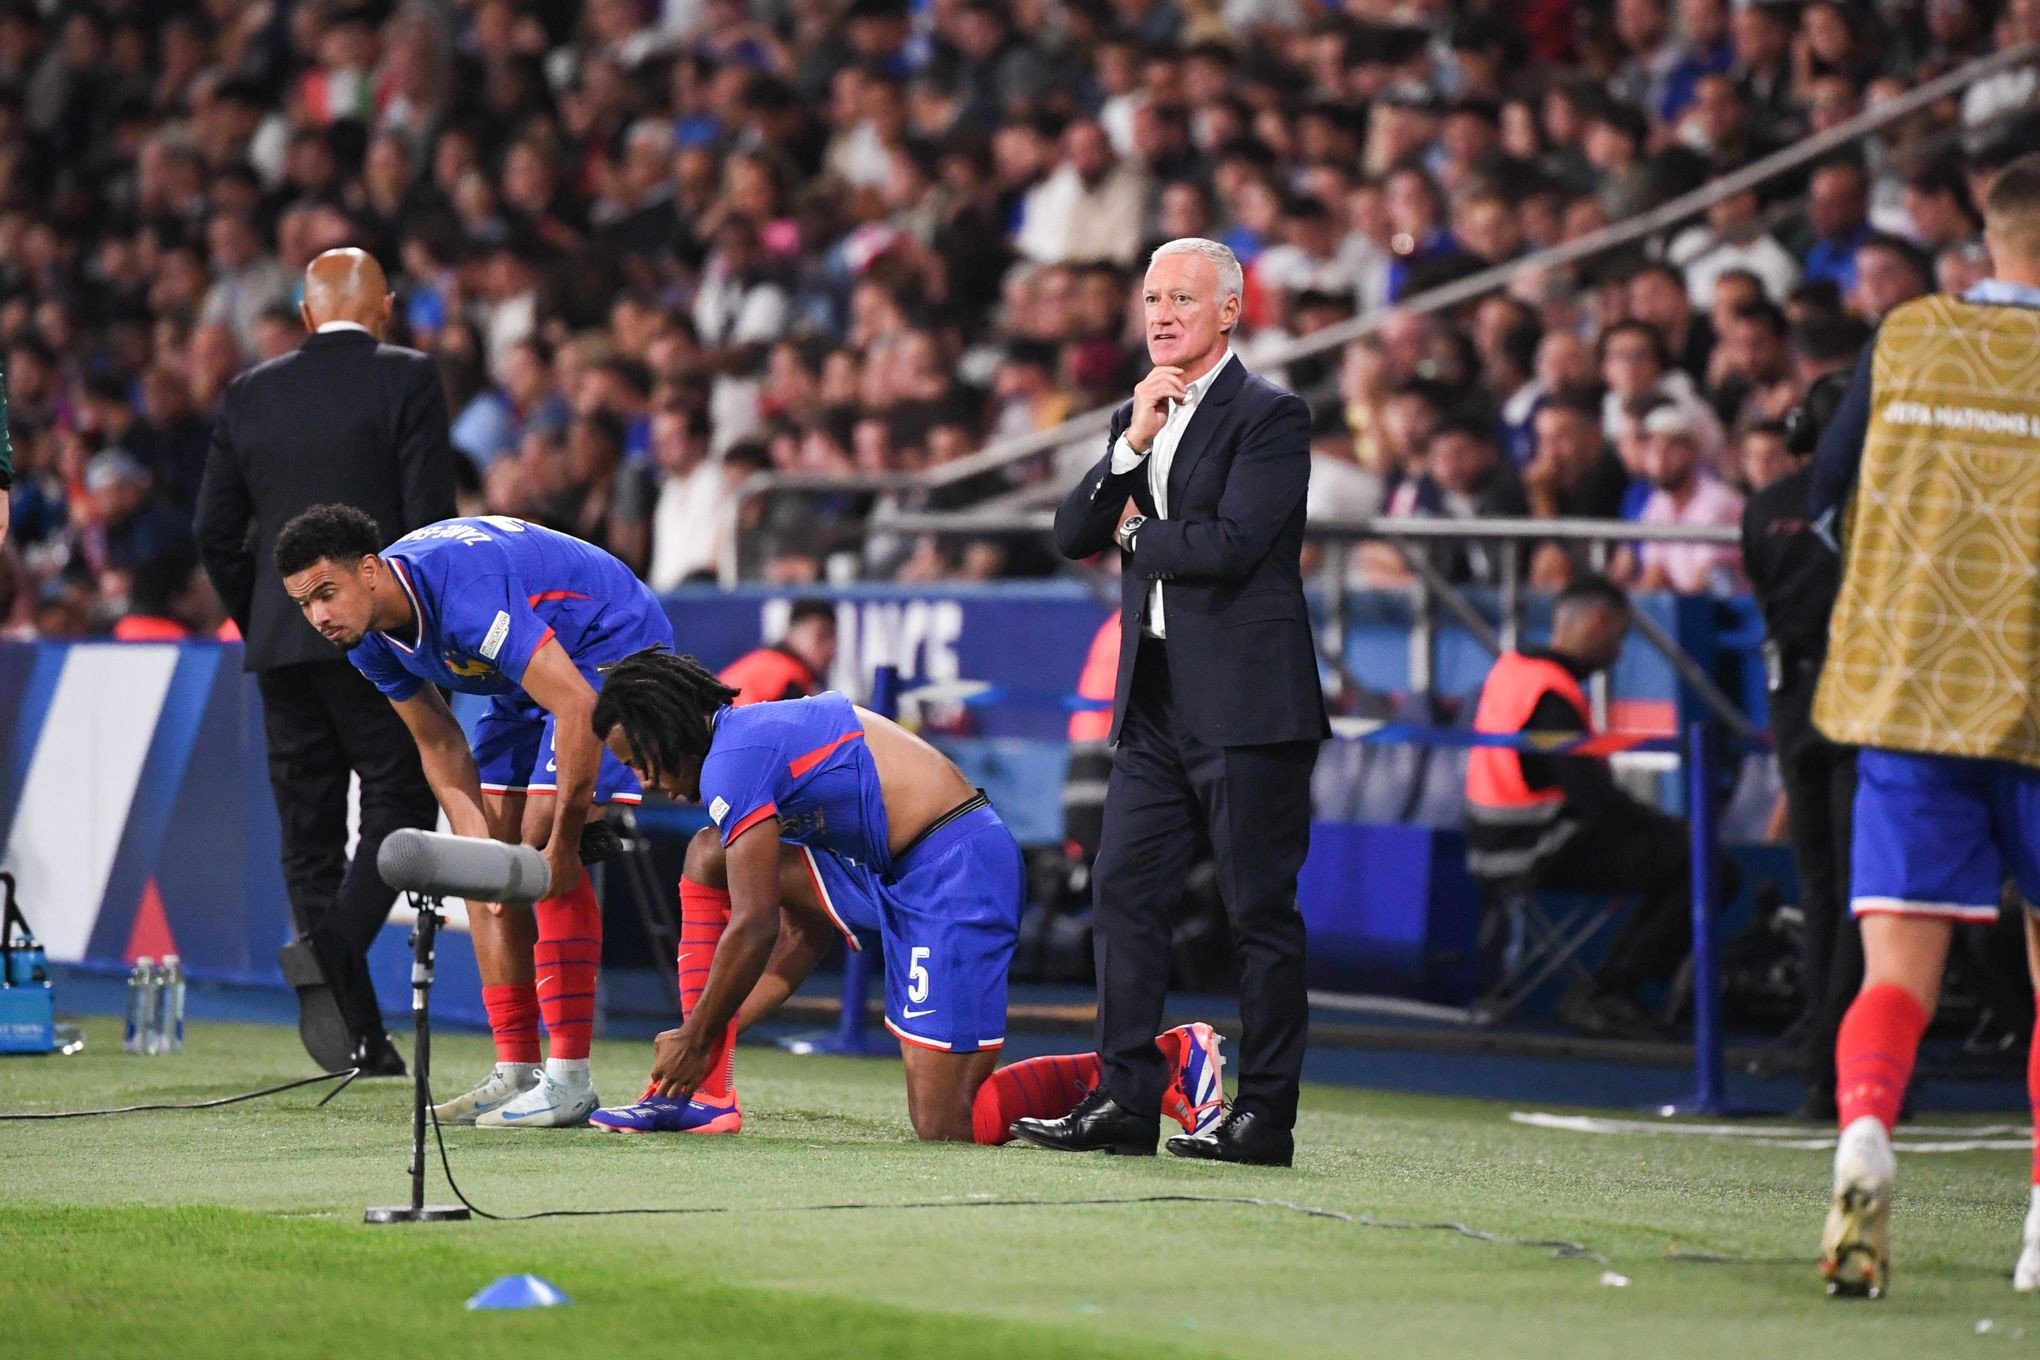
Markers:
(513, 1020)
(1039, 1088)
(568, 955)
(704, 911)
(2033, 1090)
(1874, 1053)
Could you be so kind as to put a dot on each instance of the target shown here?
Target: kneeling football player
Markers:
(829, 818)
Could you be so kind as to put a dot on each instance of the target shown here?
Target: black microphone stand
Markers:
(423, 939)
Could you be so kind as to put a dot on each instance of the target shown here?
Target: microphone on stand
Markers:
(431, 866)
(439, 865)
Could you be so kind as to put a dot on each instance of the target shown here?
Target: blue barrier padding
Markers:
(183, 839)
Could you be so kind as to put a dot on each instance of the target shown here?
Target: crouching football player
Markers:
(828, 818)
(499, 607)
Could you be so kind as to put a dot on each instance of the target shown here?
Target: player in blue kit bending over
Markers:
(829, 817)
(499, 607)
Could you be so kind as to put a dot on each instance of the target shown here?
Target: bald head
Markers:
(346, 285)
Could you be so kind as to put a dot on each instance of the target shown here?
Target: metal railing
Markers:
(1612, 237)
(1431, 591)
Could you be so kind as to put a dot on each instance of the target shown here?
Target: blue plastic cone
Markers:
(520, 1291)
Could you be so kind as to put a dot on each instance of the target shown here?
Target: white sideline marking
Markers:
(1930, 1137)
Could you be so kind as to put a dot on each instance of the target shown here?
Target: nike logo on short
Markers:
(916, 1015)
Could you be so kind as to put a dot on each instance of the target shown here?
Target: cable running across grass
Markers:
(344, 1077)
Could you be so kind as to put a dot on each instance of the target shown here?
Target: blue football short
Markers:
(514, 753)
(948, 923)
(1938, 835)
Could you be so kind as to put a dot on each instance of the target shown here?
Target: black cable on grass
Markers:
(1558, 1247)
(344, 1077)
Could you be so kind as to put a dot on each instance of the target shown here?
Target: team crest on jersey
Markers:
(466, 669)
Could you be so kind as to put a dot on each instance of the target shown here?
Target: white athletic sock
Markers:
(518, 1072)
(568, 1071)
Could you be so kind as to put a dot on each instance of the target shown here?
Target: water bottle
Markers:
(170, 1007)
(141, 1005)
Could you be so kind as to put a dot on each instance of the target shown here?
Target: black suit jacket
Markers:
(339, 419)
(1239, 641)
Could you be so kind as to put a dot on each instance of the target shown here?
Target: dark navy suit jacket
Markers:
(1243, 667)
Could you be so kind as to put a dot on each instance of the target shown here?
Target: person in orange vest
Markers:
(1090, 757)
(170, 599)
(794, 667)
(1560, 822)
(1096, 681)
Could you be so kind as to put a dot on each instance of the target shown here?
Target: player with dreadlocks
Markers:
(828, 818)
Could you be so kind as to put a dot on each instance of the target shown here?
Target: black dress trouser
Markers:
(324, 721)
(1251, 805)
(1820, 800)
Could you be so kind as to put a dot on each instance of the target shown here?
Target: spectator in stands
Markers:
(610, 500)
(1657, 297)
(1734, 240)
(795, 666)
(1464, 477)
(124, 524)
(688, 514)
(1683, 493)
(1889, 270)
(1838, 214)
(1573, 475)
(246, 282)
(1937, 207)
(1560, 823)
(1618, 139)
(1761, 35)
(1093, 206)
(170, 599)
(1752, 379)
(1961, 267)
(1635, 363)
(730, 182)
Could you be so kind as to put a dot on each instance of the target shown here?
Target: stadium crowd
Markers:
(659, 247)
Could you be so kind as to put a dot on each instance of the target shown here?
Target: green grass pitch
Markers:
(238, 1232)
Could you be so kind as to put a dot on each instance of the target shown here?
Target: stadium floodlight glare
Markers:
(430, 867)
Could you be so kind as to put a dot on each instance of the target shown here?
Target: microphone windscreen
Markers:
(462, 866)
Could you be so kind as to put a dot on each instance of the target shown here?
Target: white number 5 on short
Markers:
(917, 976)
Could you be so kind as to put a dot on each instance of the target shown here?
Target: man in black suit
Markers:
(347, 419)
(1217, 711)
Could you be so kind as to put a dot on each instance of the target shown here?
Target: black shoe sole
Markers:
(1109, 1149)
(1200, 1155)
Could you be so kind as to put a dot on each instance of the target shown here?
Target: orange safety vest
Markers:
(1099, 679)
(149, 628)
(1494, 774)
(767, 675)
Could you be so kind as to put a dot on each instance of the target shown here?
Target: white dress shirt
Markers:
(1161, 457)
(328, 327)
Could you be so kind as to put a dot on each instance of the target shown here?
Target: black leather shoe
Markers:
(1242, 1136)
(376, 1056)
(1098, 1124)
(321, 1025)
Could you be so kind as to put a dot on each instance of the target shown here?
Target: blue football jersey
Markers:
(489, 592)
(803, 761)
